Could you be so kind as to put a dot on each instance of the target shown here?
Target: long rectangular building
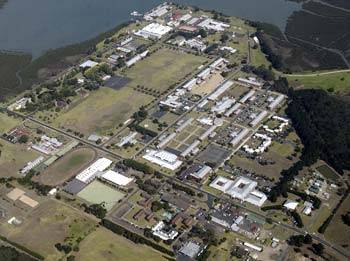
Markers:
(220, 90)
(90, 173)
(258, 118)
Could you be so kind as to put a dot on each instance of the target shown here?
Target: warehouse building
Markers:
(163, 158)
(154, 30)
(89, 174)
(241, 188)
(116, 178)
(220, 90)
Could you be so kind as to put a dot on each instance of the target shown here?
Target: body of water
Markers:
(38, 25)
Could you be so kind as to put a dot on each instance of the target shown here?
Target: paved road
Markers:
(316, 74)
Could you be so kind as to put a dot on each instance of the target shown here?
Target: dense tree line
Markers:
(22, 248)
(143, 167)
(185, 189)
(10, 253)
(98, 210)
(322, 122)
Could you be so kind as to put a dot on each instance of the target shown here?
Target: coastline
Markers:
(53, 61)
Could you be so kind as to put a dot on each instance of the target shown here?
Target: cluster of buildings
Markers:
(266, 142)
(163, 158)
(99, 169)
(47, 145)
(19, 104)
(241, 188)
(175, 100)
(283, 124)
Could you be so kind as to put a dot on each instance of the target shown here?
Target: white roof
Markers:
(289, 204)
(163, 158)
(154, 30)
(88, 64)
(89, 173)
(116, 178)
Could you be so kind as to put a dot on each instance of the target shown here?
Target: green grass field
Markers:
(103, 110)
(67, 167)
(13, 157)
(282, 149)
(338, 232)
(163, 68)
(327, 172)
(50, 223)
(105, 245)
(339, 82)
(7, 123)
(97, 193)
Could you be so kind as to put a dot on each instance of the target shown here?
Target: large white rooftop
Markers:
(163, 158)
(116, 178)
(241, 188)
(89, 174)
(153, 30)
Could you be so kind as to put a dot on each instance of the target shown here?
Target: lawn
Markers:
(50, 223)
(68, 166)
(340, 82)
(337, 232)
(97, 193)
(163, 68)
(103, 110)
(270, 171)
(7, 123)
(327, 172)
(13, 157)
(282, 149)
(105, 245)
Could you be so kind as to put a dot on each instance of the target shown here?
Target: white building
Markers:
(290, 204)
(136, 58)
(116, 178)
(158, 11)
(258, 118)
(250, 81)
(237, 137)
(90, 173)
(47, 145)
(88, 64)
(20, 104)
(130, 139)
(32, 164)
(229, 49)
(241, 188)
(247, 96)
(154, 30)
(163, 158)
(211, 24)
(266, 142)
(221, 106)
(164, 235)
(220, 90)
(276, 102)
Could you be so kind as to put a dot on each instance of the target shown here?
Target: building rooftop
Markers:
(116, 178)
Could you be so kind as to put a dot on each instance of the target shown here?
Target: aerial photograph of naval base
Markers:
(175, 132)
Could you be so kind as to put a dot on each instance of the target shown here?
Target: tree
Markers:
(23, 139)
(307, 239)
(203, 33)
(318, 248)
